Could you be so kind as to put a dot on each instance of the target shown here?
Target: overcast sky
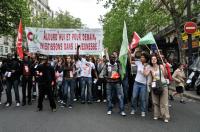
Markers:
(87, 10)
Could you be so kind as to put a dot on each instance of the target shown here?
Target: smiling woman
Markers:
(87, 10)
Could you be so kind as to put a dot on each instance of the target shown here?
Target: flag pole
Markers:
(159, 54)
(147, 47)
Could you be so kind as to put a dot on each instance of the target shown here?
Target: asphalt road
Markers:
(93, 118)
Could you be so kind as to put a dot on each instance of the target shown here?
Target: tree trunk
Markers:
(177, 22)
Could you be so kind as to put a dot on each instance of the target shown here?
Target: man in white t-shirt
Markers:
(86, 68)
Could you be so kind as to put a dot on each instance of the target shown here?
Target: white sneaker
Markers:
(98, 100)
(123, 113)
(18, 104)
(7, 104)
(75, 100)
(155, 118)
(132, 112)
(109, 112)
(0, 103)
(166, 120)
(143, 114)
(62, 102)
(104, 101)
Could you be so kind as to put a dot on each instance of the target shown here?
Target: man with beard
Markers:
(112, 75)
(46, 79)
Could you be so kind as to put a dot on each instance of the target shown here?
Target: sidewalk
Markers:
(189, 94)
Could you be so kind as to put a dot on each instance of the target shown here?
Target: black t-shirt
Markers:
(48, 74)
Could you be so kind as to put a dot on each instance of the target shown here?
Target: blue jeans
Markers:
(141, 90)
(86, 81)
(68, 91)
(111, 87)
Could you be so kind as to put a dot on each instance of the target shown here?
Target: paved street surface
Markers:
(93, 118)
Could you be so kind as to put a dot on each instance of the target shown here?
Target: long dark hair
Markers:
(153, 55)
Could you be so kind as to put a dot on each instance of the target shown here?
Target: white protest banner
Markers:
(64, 41)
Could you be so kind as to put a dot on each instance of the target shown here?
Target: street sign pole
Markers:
(189, 35)
(190, 28)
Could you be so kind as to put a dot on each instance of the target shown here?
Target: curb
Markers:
(188, 95)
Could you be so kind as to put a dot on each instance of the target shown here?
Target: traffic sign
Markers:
(190, 27)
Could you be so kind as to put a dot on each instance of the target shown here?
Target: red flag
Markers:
(19, 41)
(135, 41)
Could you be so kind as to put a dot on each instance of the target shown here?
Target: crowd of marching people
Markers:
(90, 79)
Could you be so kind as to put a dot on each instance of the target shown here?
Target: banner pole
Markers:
(147, 47)
(159, 54)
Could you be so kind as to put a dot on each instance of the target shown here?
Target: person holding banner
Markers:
(86, 68)
(77, 88)
(140, 84)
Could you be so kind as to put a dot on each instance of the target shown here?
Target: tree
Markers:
(176, 10)
(140, 17)
(10, 13)
(61, 20)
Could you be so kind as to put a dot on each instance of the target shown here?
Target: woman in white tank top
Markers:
(160, 102)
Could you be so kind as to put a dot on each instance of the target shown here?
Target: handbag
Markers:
(157, 86)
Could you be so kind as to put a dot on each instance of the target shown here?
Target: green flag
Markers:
(123, 55)
(147, 39)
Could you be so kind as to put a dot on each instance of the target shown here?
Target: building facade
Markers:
(5, 45)
(36, 7)
(40, 6)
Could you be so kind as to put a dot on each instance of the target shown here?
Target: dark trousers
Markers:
(45, 88)
(34, 89)
(1, 89)
(100, 89)
(125, 86)
(130, 90)
(12, 83)
(26, 81)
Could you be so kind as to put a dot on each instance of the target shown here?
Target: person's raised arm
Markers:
(77, 52)
(133, 62)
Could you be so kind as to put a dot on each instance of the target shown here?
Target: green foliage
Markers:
(61, 20)
(142, 18)
(196, 8)
(10, 13)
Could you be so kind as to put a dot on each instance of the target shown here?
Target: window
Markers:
(6, 50)
(6, 40)
(1, 50)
